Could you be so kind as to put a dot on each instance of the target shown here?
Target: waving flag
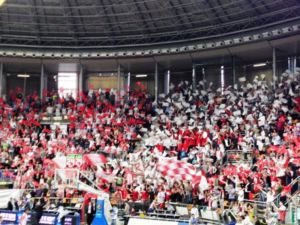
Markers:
(95, 159)
(173, 168)
(60, 162)
(108, 177)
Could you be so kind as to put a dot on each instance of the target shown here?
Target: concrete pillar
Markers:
(42, 82)
(80, 79)
(274, 68)
(222, 70)
(292, 64)
(46, 81)
(204, 78)
(233, 71)
(156, 82)
(167, 82)
(119, 81)
(194, 76)
(128, 82)
(2, 81)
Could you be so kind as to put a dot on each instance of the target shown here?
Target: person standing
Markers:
(195, 211)
(10, 205)
(114, 215)
(90, 210)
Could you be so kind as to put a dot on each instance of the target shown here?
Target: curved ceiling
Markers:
(115, 23)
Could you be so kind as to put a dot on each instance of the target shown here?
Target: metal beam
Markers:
(66, 5)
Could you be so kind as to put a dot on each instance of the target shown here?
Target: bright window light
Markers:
(2, 2)
(259, 64)
(67, 84)
(141, 75)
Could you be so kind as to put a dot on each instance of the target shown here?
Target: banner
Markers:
(10, 217)
(71, 220)
(74, 161)
(48, 219)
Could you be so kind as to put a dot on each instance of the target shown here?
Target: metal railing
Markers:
(88, 180)
(260, 206)
(295, 189)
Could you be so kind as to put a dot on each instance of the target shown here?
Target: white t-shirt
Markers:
(161, 197)
(195, 211)
(114, 214)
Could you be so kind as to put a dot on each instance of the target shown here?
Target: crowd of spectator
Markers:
(199, 126)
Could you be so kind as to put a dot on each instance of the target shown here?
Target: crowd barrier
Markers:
(47, 218)
(10, 217)
(161, 221)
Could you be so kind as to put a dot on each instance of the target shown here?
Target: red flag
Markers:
(95, 159)
(109, 177)
(171, 167)
(60, 162)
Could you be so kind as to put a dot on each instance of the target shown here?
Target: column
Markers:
(119, 79)
(194, 76)
(292, 64)
(156, 82)
(128, 82)
(233, 71)
(203, 77)
(167, 82)
(222, 79)
(80, 79)
(2, 83)
(42, 81)
(274, 68)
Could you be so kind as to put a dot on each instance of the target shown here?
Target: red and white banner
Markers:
(173, 168)
(94, 159)
(109, 177)
(74, 161)
(60, 162)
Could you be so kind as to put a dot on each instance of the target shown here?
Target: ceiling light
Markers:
(24, 75)
(259, 64)
(141, 75)
(2, 2)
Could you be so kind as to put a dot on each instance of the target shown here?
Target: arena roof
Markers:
(115, 23)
